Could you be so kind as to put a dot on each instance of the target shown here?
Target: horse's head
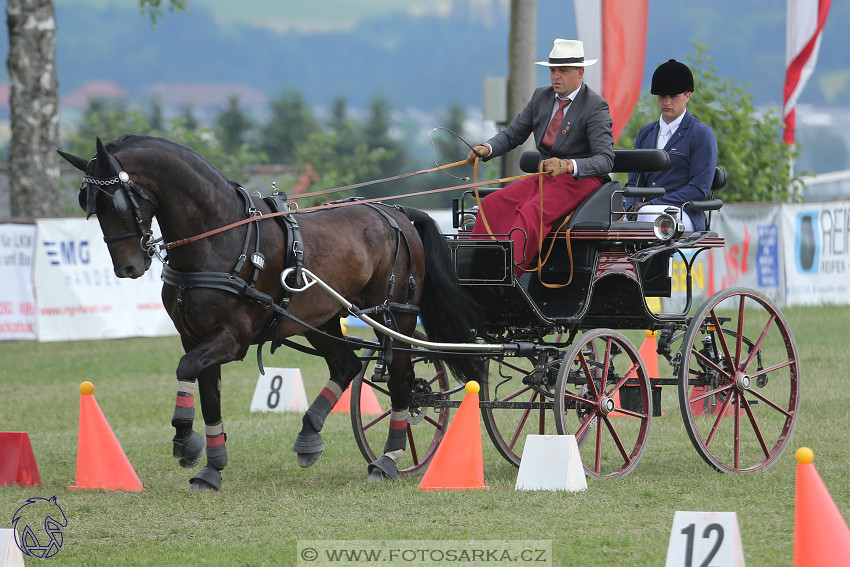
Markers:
(123, 210)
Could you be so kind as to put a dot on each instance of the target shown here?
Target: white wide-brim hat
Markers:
(567, 53)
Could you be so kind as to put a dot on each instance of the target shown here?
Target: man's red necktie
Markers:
(554, 125)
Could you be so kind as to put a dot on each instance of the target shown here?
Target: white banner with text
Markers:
(17, 302)
(79, 297)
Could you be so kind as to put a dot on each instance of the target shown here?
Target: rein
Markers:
(181, 242)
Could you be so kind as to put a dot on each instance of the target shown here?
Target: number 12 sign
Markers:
(705, 539)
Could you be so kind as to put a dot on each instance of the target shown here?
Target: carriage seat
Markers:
(595, 212)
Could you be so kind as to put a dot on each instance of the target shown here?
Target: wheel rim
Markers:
(739, 389)
(508, 427)
(603, 398)
(424, 430)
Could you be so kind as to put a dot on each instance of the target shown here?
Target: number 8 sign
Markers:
(705, 539)
(280, 389)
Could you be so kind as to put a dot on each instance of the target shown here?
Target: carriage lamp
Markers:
(666, 227)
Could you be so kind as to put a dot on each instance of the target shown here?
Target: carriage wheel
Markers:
(739, 389)
(425, 426)
(518, 403)
(603, 398)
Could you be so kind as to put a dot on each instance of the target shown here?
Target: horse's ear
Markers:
(101, 152)
(77, 162)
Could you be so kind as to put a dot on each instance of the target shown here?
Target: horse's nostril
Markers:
(129, 272)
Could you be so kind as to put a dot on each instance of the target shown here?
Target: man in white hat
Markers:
(690, 144)
(571, 125)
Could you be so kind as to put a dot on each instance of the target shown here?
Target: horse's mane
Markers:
(133, 141)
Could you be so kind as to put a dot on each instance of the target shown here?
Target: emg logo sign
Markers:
(807, 243)
(67, 252)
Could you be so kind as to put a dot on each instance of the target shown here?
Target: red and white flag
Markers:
(615, 32)
(804, 26)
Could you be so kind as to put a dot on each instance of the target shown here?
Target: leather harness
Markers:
(294, 258)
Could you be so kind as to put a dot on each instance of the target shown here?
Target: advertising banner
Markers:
(750, 258)
(79, 296)
(17, 302)
(817, 252)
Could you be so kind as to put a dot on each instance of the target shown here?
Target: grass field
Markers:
(268, 504)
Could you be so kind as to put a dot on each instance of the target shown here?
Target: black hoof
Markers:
(206, 479)
(306, 460)
(189, 449)
(308, 449)
(383, 469)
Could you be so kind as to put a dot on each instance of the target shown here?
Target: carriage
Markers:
(734, 360)
(555, 351)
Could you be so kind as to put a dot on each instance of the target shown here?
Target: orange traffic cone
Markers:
(649, 353)
(18, 463)
(368, 401)
(821, 537)
(458, 463)
(101, 462)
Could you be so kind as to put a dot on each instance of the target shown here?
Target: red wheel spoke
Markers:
(591, 385)
(717, 420)
(740, 331)
(411, 442)
(721, 338)
(515, 394)
(597, 461)
(715, 392)
(757, 347)
(606, 363)
(631, 413)
(755, 427)
(710, 362)
(376, 420)
(769, 402)
(616, 439)
(382, 390)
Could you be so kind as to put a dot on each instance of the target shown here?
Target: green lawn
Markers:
(268, 503)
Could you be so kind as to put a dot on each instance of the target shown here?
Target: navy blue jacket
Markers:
(693, 159)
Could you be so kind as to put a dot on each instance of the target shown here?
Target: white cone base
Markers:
(551, 462)
(10, 554)
(280, 390)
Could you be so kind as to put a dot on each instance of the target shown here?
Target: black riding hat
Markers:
(672, 78)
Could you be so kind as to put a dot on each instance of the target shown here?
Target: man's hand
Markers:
(638, 205)
(557, 166)
(482, 151)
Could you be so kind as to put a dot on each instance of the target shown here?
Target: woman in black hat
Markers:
(690, 144)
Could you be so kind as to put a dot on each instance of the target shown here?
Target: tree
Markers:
(376, 134)
(291, 124)
(450, 148)
(34, 102)
(233, 125)
(749, 142)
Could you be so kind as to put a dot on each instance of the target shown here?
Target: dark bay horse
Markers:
(223, 291)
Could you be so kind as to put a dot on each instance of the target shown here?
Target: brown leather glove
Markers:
(639, 205)
(482, 150)
(556, 166)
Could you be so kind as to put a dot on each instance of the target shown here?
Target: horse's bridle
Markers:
(124, 199)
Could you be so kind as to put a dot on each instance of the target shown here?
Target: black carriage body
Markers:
(566, 369)
(612, 263)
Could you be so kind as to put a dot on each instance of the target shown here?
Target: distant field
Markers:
(269, 504)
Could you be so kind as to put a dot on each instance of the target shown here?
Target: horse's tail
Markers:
(448, 312)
